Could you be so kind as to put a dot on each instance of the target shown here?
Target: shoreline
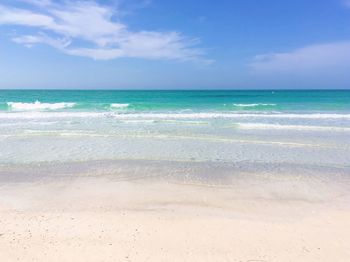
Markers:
(201, 176)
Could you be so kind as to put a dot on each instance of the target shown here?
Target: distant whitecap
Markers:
(253, 105)
(118, 105)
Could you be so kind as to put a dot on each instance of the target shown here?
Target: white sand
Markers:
(101, 220)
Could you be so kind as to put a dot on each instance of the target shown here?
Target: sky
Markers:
(167, 44)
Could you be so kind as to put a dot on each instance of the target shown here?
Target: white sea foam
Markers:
(118, 105)
(227, 116)
(50, 115)
(262, 126)
(145, 121)
(18, 106)
(253, 105)
(122, 116)
(187, 122)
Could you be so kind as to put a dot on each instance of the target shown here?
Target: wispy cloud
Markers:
(30, 40)
(320, 57)
(90, 29)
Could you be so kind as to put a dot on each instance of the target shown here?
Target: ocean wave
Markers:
(186, 122)
(50, 115)
(145, 121)
(118, 105)
(122, 116)
(253, 105)
(19, 106)
(256, 126)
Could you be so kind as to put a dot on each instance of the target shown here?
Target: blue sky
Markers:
(166, 44)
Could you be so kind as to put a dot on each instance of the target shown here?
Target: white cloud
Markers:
(65, 25)
(314, 58)
(29, 41)
(17, 16)
(149, 45)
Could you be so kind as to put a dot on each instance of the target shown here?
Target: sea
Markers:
(175, 133)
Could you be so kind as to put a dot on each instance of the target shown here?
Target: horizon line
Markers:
(174, 89)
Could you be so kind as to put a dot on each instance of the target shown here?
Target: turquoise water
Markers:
(175, 101)
(263, 129)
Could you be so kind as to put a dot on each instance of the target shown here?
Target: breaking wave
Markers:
(253, 105)
(118, 105)
(196, 116)
(19, 106)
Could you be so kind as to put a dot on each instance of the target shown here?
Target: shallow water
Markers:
(259, 132)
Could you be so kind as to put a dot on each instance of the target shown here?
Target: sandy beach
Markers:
(103, 218)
